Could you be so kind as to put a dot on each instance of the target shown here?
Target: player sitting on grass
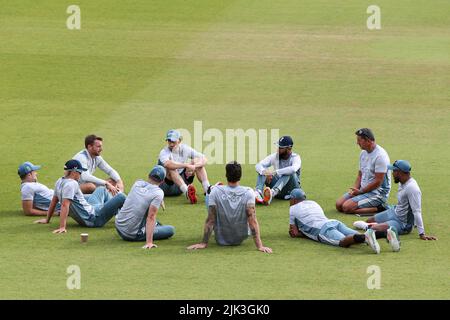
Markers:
(408, 210)
(180, 173)
(136, 221)
(373, 183)
(90, 159)
(36, 197)
(231, 213)
(307, 219)
(284, 178)
(95, 212)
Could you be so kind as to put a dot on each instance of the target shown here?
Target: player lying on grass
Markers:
(284, 177)
(407, 212)
(231, 213)
(180, 173)
(36, 197)
(373, 182)
(307, 220)
(93, 213)
(90, 159)
(136, 221)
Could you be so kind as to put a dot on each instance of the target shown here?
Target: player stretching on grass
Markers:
(95, 212)
(36, 197)
(231, 213)
(136, 221)
(373, 183)
(90, 159)
(180, 173)
(408, 210)
(307, 220)
(284, 178)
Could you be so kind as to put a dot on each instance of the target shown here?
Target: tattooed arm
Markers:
(209, 226)
(254, 228)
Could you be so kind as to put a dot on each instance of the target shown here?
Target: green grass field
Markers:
(308, 67)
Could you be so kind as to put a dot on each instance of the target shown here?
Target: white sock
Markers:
(205, 185)
(184, 188)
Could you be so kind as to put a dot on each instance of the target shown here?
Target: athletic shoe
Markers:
(211, 187)
(190, 194)
(258, 197)
(371, 240)
(268, 195)
(392, 239)
(360, 225)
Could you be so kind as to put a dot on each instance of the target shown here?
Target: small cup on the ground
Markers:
(84, 237)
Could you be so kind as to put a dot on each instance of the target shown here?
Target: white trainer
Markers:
(392, 238)
(361, 225)
(371, 240)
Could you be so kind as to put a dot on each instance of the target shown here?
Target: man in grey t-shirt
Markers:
(183, 164)
(373, 183)
(136, 221)
(231, 212)
(36, 197)
(407, 212)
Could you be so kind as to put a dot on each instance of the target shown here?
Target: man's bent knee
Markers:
(339, 204)
(87, 188)
(349, 206)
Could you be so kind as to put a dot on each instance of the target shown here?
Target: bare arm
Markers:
(357, 184)
(173, 165)
(199, 162)
(120, 186)
(254, 227)
(150, 227)
(209, 226)
(28, 210)
(50, 211)
(294, 232)
(63, 216)
(379, 177)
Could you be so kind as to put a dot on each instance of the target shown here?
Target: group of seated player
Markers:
(92, 202)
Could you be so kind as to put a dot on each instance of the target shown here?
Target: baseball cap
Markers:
(284, 142)
(74, 165)
(298, 194)
(173, 135)
(27, 167)
(365, 133)
(401, 165)
(158, 173)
